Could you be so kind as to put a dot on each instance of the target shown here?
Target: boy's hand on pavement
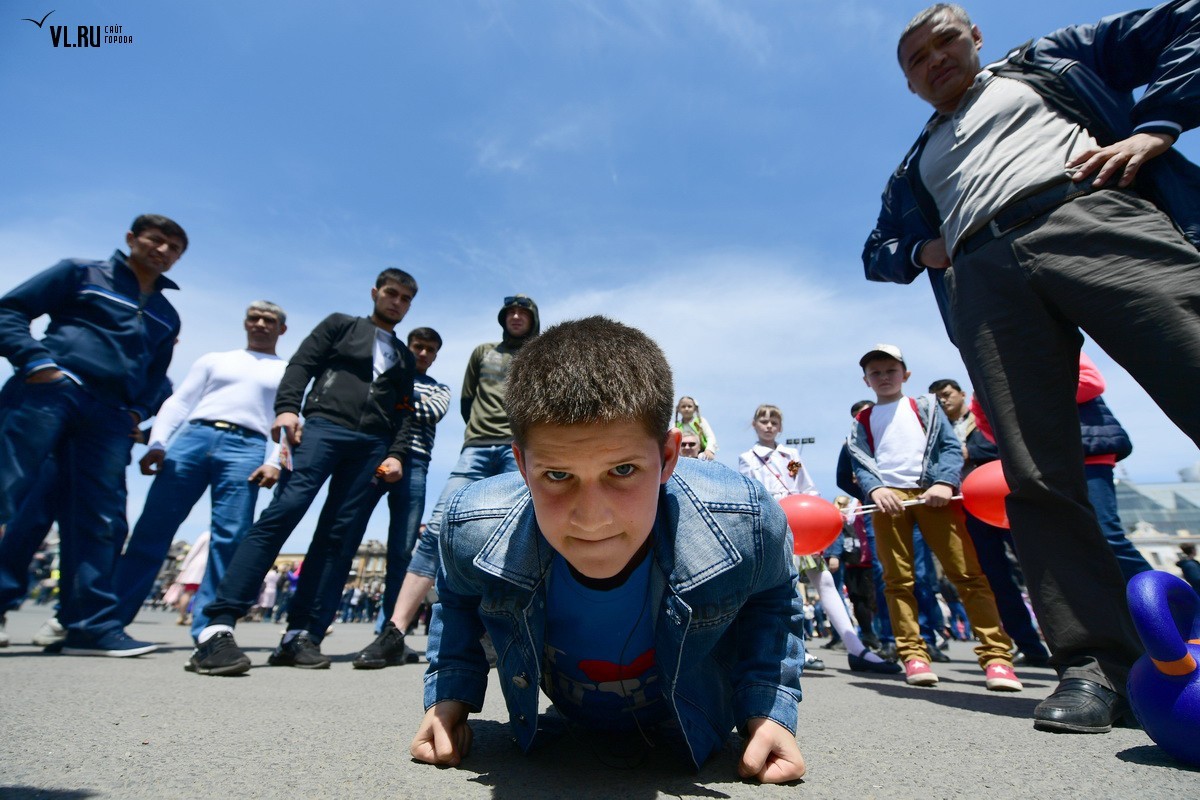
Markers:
(444, 736)
(771, 754)
(887, 501)
(938, 495)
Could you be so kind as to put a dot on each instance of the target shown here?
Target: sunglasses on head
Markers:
(520, 301)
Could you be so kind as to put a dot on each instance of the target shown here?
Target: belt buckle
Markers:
(225, 426)
(994, 227)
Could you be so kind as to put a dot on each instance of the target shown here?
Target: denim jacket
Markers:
(1086, 73)
(943, 461)
(727, 627)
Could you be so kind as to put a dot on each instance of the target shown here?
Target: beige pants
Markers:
(945, 532)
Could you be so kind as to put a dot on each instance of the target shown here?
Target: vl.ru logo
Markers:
(84, 35)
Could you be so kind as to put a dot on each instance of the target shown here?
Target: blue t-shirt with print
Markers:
(599, 654)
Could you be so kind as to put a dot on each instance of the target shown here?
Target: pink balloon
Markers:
(984, 492)
(815, 522)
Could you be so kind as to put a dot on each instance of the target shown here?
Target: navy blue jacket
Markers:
(1087, 73)
(100, 333)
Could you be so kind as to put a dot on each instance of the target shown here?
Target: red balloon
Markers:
(815, 522)
(983, 494)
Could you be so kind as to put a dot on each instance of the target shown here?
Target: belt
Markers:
(222, 425)
(1023, 211)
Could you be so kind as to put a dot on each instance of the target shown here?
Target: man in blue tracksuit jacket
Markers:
(77, 396)
(1042, 199)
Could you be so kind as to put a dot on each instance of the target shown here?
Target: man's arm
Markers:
(1158, 48)
(307, 363)
(174, 412)
(471, 382)
(44, 293)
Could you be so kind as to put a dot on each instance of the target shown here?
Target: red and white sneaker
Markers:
(918, 673)
(1002, 678)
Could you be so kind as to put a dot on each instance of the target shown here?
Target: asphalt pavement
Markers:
(80, 727)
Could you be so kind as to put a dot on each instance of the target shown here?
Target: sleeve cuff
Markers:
(1173, 129)
(40, 365)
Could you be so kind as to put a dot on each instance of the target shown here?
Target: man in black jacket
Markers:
(356, 433)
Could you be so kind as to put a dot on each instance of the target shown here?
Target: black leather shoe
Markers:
(1081, 706)
(937, 655)
(860, 664)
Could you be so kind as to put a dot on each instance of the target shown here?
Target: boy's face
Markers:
(392, 301)
(886, 377)
(595, 489)
(425, 351)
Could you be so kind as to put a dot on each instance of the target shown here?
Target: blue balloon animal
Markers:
(1164, 684)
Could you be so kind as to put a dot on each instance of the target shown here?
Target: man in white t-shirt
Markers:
(212, 433)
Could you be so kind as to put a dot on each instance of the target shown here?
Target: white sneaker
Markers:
(50, 634)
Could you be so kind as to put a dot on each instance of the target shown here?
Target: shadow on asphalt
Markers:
(1001, 705)
(1152, 755)
(31, 793)
(563, 760)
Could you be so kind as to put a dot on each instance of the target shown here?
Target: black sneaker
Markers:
(301, 652)
(387, 650)
(220, 655)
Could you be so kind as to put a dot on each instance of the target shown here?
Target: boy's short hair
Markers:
(587, 371)
(767, 408)
(426, 335)
(267, 307)
(938, 385)
(1188, 549)
(394, 275)
(170, 227)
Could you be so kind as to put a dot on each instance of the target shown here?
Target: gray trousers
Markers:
(1111, 264)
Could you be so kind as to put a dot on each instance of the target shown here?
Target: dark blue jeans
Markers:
(406, 506)
(348, 460)
(993, 560)
(1102, 494)
(200, 458)
(24, 535)
(91, 443)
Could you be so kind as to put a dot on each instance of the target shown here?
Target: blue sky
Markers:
(704, 170)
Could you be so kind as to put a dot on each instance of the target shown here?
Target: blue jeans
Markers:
(474, 464)
(989, 547)
(348, 459)
(24, 535)
(1103, 497)
(200, 458)
(406, 506)
(91, 443)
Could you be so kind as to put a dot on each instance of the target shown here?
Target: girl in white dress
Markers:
(780, 471)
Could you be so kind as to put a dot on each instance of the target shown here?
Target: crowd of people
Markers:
(590, 538)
